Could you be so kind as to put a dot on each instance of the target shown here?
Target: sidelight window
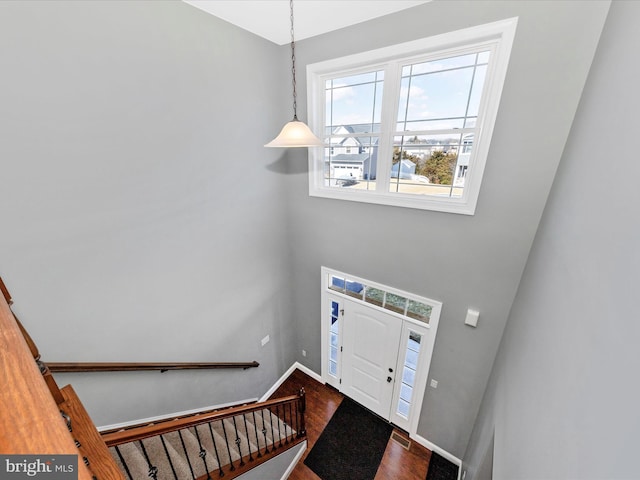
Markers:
(410, 365)
(334, 343)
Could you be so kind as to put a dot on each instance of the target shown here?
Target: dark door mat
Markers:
(351, 446)
(441, 469)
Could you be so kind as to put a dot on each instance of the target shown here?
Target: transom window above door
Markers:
(409, 125)
(380, 296)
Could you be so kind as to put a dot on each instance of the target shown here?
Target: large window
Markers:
(409, 125)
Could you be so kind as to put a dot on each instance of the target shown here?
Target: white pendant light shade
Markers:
(295, 134)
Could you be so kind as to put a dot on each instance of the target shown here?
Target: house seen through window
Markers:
(409, 125)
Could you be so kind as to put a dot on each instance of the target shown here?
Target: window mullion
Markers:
(390, 100)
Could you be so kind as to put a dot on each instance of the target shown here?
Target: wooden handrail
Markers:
(58, 367)
(112, 438)
(5, 292)
(30, 420)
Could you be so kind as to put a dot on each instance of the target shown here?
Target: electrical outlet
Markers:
(304, 353)
(265, 340)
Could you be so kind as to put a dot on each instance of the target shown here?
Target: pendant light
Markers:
(295, 133)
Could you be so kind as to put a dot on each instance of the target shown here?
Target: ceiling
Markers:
(270, 18)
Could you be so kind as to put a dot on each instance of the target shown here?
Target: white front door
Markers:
(369, 356)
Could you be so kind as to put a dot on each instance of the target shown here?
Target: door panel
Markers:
(369, 356)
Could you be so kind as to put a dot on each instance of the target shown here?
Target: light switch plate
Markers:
(472, 318)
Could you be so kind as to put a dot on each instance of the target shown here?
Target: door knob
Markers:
(389, 379)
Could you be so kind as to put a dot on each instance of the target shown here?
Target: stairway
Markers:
(208, 449)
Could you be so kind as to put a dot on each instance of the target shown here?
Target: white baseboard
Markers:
(286, 374)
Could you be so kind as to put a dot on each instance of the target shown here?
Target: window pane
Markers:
(403, 408)
(373, 295)
(353, 108)
(334, 327)
(354, 289)
(405, 393)
(418, 311)
(438, 95)
(408, 376)
(336, 284)
(428, 165)
(412, 359)
(333, 356)
(355, 99)
(441, 94)
(333, 368)
(350, 162)
(414, 341)
(395, 303)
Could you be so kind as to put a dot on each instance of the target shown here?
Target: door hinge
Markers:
(342, 312)
(340, 381)
(340, 348)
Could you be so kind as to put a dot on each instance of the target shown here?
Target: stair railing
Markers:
(229, 442)
(39, 417)
(36, 417)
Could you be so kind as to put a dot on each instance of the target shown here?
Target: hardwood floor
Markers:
(397, 463)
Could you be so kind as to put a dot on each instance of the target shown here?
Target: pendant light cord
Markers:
(293, 65)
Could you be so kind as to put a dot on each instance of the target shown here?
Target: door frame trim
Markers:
(431, 330)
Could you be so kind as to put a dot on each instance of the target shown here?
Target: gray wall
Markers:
(141, 217)
(564, 395)
(275, 468)
(463, 261)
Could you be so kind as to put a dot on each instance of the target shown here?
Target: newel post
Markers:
(302, 406)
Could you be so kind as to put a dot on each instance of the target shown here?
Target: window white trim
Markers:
(497, 36)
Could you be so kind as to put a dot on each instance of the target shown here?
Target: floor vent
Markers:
(404, 442)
